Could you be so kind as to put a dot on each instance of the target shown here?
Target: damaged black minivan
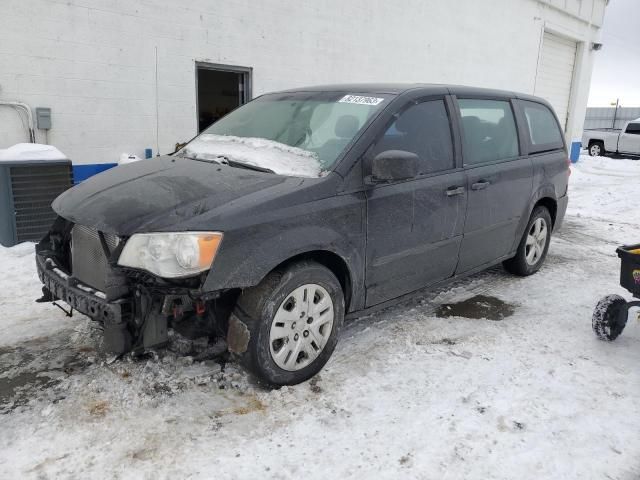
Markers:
(304, 206)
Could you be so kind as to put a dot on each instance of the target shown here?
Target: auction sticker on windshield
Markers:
(360, 100)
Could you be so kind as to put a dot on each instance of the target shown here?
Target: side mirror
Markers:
(394, 165)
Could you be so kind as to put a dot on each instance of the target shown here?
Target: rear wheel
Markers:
(596, 149)
(534, 245)
(609, 317)
(293, 319)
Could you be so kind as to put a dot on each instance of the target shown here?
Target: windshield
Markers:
(297, 134)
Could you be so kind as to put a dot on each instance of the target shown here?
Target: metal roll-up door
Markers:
(555, 73)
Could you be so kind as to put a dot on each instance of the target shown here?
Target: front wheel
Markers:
(534, 245)
(609, 317)
(292, 319)
(596, 149)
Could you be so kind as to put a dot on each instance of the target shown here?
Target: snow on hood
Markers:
(32, 151)
(276, 156)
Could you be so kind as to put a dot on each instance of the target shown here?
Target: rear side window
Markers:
(489, 130)
(633, 129)
(422, 129)
(544, 131)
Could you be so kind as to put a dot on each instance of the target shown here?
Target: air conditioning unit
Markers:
(31, 177)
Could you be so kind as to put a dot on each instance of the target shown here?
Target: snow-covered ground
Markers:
(407, 394)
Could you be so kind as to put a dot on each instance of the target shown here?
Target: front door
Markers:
(414, 228)
(630, 139)
(498, 179)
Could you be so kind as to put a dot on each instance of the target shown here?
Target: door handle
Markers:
(481, 185)
(451, 191)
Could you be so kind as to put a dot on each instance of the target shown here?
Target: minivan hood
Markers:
(155, 194)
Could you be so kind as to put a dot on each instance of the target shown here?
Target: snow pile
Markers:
(276, 156)
(23, 319)
(605, 188)
(32, 151)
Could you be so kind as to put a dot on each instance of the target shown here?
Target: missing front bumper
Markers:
(80, 297)
(114, 316)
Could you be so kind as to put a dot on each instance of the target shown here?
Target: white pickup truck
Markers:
(609, 140)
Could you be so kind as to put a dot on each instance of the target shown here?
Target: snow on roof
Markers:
(281, 158)
(31, 151)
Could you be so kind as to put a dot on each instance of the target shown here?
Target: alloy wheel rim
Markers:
(536, 241)
(595, 150)
(301, 327)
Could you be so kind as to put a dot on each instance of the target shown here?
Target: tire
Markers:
(277, 306)
(527, 262)
(596, 149)
(608, 321)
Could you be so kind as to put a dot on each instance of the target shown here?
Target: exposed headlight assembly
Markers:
(171, 255)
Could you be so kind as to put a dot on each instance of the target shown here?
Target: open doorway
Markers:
(220, 89)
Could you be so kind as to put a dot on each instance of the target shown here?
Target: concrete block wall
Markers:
(95, 62)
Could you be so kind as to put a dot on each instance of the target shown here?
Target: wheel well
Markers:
(595, 140)
(551, 205)
(333, 262)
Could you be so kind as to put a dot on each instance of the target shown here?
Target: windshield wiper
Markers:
(200, 159)
(248, 166)
(223, 160)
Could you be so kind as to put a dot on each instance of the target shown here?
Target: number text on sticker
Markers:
(361, 100)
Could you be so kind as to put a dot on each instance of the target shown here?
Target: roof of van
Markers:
(399, 88)
(393, 88)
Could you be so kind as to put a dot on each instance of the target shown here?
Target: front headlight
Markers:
(171, 255)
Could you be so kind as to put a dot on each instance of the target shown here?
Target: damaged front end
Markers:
(80, 266)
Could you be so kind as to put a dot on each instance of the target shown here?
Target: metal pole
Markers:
(615, 114)
(157, 107)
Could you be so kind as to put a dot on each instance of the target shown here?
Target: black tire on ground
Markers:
(257, 307)
(608, 322)
(596, 148)
(518, 265)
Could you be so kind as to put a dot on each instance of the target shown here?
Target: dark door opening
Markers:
(220, 90)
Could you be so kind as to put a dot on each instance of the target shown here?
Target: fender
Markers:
(546, 190)
(249, 254)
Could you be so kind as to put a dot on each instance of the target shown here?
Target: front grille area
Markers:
(89, 264)
(34, 188)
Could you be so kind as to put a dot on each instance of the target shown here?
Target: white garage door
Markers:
(555, 73)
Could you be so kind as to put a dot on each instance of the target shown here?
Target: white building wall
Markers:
(93, 62)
